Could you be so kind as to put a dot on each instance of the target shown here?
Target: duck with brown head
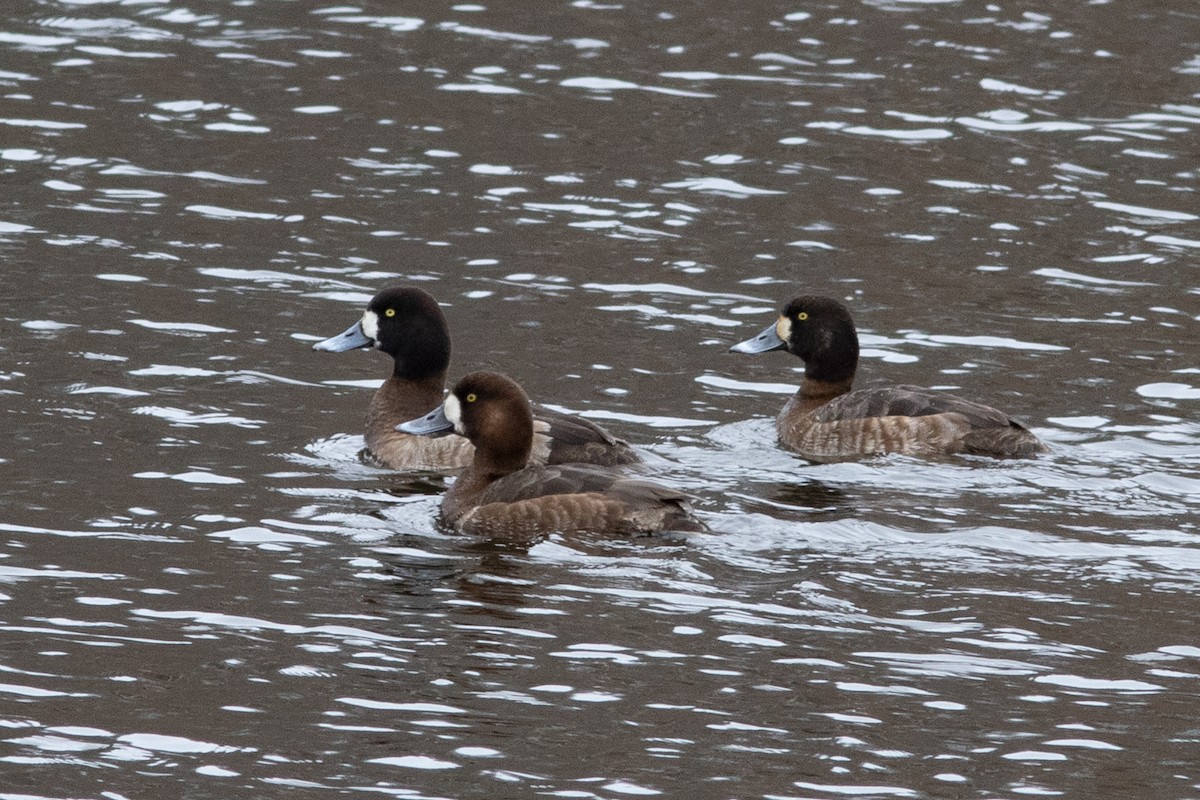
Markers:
(501, 495)
(828, 421)
(408, 325)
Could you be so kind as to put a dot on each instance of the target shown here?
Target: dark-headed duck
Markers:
(826, 421)
(498, 495)
(408, 325)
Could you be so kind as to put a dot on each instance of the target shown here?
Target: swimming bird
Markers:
(408, 325)
(502, 495)
(828, 421)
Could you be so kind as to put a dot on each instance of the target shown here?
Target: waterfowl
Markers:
(408, 325)
(826, 421)
(501, 495)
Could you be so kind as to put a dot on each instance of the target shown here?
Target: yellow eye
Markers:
(391, 312)
(471, 398)
(803, 315)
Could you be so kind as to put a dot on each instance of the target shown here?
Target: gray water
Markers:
(207, 594)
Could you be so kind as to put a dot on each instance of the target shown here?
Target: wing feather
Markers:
(909, 401)
(574, 439)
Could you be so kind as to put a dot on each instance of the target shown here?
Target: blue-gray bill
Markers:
(349, 339)
(435, 421)
(764, 342)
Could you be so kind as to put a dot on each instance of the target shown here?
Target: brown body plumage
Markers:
(499, 494)
(826, 420)
(408, 325)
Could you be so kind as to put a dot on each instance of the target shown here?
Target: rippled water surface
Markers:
(207, 594)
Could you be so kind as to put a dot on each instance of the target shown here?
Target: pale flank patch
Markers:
(370, 325)
(542, 442)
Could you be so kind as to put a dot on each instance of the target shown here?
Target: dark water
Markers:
(207, 595)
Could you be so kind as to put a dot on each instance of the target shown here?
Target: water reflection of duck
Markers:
(826, 421)
(408, 325)
(814, 499)
(501, 495)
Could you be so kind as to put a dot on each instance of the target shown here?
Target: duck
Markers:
(502, 495)
(828, 420)
(407, 324)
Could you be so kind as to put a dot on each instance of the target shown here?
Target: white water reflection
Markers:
(1174, 391)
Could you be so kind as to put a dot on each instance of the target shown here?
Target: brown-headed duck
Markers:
(408, 325)
(826, 421)
(501, 495)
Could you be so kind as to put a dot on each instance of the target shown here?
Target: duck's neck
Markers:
(495, 464)
(403, 399)
(462, 494)
(489, 465)
(814, 392)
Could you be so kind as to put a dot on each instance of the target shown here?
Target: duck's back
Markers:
(903, 419)
(567, 497)
(564, 439)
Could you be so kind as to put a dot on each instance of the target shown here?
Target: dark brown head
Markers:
(817, 329)
(493, 412)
